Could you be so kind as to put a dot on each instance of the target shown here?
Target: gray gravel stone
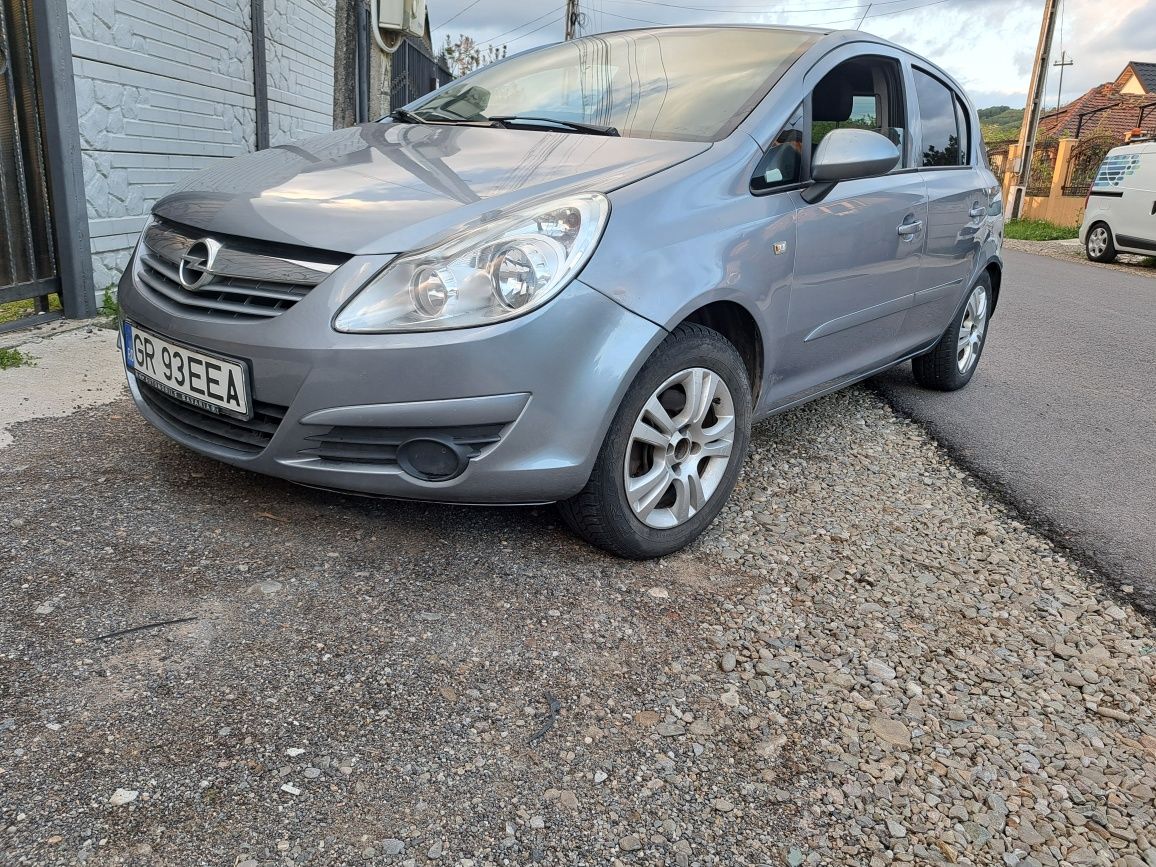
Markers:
(918, 677)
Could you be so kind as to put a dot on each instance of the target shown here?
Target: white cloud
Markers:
(987, 44)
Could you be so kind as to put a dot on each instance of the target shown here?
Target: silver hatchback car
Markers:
(577, 275)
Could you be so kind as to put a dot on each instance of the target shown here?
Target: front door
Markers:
(857, 259)
(857, 251)
(27, 257)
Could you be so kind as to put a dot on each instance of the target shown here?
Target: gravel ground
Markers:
(865, 661)
(1072, 250)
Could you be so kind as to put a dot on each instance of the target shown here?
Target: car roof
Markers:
(829, 39)
(1143, 146)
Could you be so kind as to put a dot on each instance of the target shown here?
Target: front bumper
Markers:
(548, 383)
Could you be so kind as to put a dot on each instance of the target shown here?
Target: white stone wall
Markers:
(165, 87)
(299, 59)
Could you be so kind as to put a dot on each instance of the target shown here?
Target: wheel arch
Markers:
(994, 271)
(734, 322)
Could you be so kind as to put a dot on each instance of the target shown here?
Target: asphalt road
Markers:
(1060, 416)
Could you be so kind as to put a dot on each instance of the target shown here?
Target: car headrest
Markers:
(832, 99)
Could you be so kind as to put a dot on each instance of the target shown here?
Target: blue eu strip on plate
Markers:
(126, 327)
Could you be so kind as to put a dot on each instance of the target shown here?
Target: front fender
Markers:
(695, 235)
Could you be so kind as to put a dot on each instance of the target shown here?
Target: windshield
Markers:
(689, 83)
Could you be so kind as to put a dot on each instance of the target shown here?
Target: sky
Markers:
(988, 45)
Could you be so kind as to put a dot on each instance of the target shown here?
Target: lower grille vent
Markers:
(376, 445)
(249, 437)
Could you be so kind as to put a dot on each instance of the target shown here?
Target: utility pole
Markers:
(573, 17)
(1061, 63)
(1034, 107)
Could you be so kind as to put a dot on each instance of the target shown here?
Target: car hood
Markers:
(389, 187)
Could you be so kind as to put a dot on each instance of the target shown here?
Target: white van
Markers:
(1120, 212)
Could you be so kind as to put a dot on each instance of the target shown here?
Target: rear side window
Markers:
(943, 124)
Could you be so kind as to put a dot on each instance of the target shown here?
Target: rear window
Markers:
(943, 124)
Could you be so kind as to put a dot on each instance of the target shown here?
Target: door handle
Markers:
(910, 230)
(978, 211)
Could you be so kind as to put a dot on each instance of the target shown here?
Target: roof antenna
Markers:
(866, 12)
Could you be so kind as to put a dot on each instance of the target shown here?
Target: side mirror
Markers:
(846, 154)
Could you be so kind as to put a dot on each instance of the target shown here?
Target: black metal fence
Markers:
(414, 72)
(1039, 182)
(27, 257)
(1085, 162)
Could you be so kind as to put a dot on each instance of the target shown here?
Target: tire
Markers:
(1099, 245)
(672, 451)
(950, 364)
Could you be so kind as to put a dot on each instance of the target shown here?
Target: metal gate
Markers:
(27, 258)
(414, 72)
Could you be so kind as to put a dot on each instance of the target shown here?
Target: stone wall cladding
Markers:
(299, 58)
(164, 88)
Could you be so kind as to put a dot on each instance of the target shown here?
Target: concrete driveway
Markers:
(1061, 415)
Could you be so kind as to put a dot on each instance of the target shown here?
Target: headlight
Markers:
(503, 269)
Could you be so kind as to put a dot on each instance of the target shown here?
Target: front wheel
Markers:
(673, 452)
(951, 362)
(1099, 245)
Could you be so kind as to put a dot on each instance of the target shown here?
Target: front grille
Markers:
(378, 445)
(248, 280)
(247, 437)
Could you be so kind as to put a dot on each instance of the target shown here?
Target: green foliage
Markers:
(109, 306)
(1000, 123)
(13, 358)
(1038, 230)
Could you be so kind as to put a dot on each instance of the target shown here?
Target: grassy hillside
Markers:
(1000, 123)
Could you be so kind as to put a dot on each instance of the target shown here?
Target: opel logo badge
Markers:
(196, 268)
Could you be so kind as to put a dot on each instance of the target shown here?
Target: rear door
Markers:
(957, 206)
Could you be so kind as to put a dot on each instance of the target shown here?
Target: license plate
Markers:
(207, 381)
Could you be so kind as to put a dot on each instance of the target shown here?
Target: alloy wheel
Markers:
(679, 448)
(971, 329)
(1097, 241)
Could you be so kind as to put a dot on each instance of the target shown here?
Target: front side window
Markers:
(782, 164)
(864, 93)
(944, 137)
(686, 83)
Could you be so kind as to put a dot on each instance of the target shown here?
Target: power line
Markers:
(870, 16)
(520, 26)
(631, 18)
(761, 8)
(888, 12)
(527, 33)
(459, 15)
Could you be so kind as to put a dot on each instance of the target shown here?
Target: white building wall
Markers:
(165, 87)
(299, 59)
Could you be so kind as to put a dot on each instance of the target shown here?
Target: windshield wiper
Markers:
(406, 116)
(531, 120)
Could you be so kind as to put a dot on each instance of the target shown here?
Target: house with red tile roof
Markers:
(1115, 108)
(1073, 139)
